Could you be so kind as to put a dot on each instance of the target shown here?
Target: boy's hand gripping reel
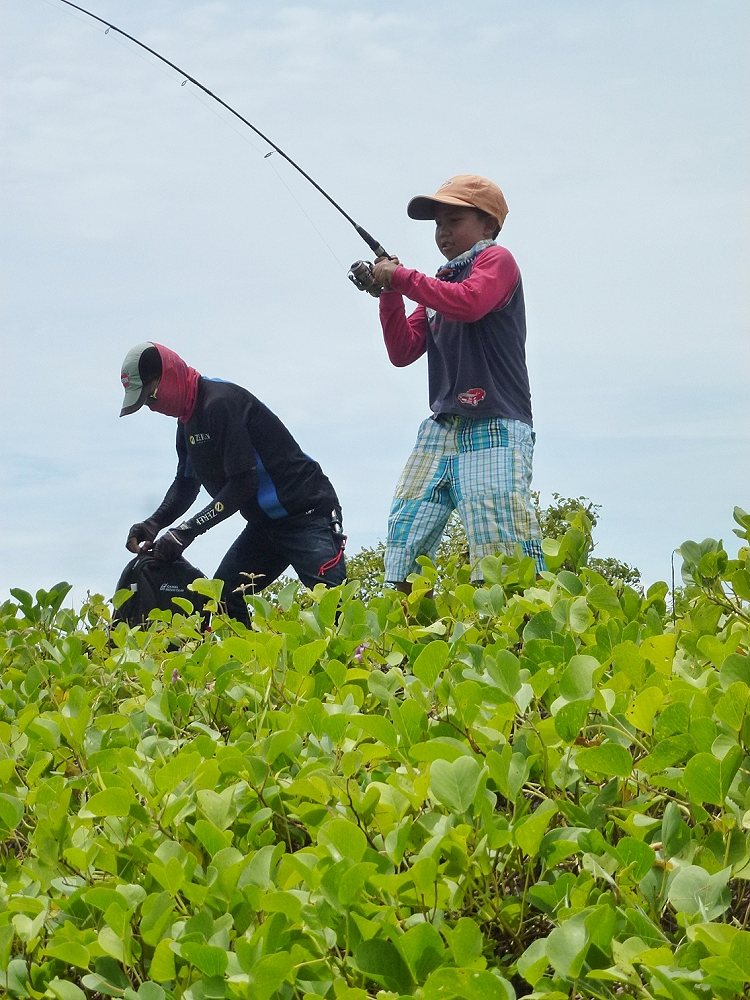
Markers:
(360, 273)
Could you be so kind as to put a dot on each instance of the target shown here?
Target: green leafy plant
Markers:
(537, 788)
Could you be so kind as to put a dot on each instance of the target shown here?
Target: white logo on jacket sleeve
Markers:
(210, 514)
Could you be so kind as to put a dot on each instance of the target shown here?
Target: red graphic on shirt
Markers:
(472, 397)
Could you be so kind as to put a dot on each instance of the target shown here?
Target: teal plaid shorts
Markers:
(478, 467)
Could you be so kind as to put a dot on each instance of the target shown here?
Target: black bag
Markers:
(154, 583)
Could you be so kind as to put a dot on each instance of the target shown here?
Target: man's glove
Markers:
(141, 531)
(172, 543)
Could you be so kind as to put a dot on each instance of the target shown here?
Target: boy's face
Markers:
(457, 229)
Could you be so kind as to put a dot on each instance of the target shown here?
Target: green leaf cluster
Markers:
(535, 788)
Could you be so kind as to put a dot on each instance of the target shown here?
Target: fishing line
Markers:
(282, 180)
(372, 243)
(211, 108)
(269, 157)
(196, 95)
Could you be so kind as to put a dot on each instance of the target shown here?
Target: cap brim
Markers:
(423, 206)
(133, 401)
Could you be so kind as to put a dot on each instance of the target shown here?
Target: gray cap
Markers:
(139, 369)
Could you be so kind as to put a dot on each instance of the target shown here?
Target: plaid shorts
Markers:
(479, 467)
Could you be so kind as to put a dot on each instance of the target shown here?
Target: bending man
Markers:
(230, 443)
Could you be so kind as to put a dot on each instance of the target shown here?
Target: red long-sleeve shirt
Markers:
(472, 327)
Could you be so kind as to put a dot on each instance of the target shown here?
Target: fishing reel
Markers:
(361, 276)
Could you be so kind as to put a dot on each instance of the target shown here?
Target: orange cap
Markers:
(469, 190)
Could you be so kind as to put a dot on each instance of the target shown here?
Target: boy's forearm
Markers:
(405, 337)
(489, 286)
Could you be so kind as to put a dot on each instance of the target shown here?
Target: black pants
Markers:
(312, 544)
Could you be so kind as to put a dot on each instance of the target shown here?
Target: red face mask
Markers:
(178, 386)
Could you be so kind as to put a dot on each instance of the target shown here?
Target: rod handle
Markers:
(377, 248)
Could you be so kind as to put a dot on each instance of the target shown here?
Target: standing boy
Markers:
(229, 442)
(474, 454)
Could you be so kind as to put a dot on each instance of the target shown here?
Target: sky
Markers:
(134, 208)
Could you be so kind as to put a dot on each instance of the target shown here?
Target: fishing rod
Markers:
(360, 273)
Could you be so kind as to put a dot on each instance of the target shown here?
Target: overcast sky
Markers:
(134, 208)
